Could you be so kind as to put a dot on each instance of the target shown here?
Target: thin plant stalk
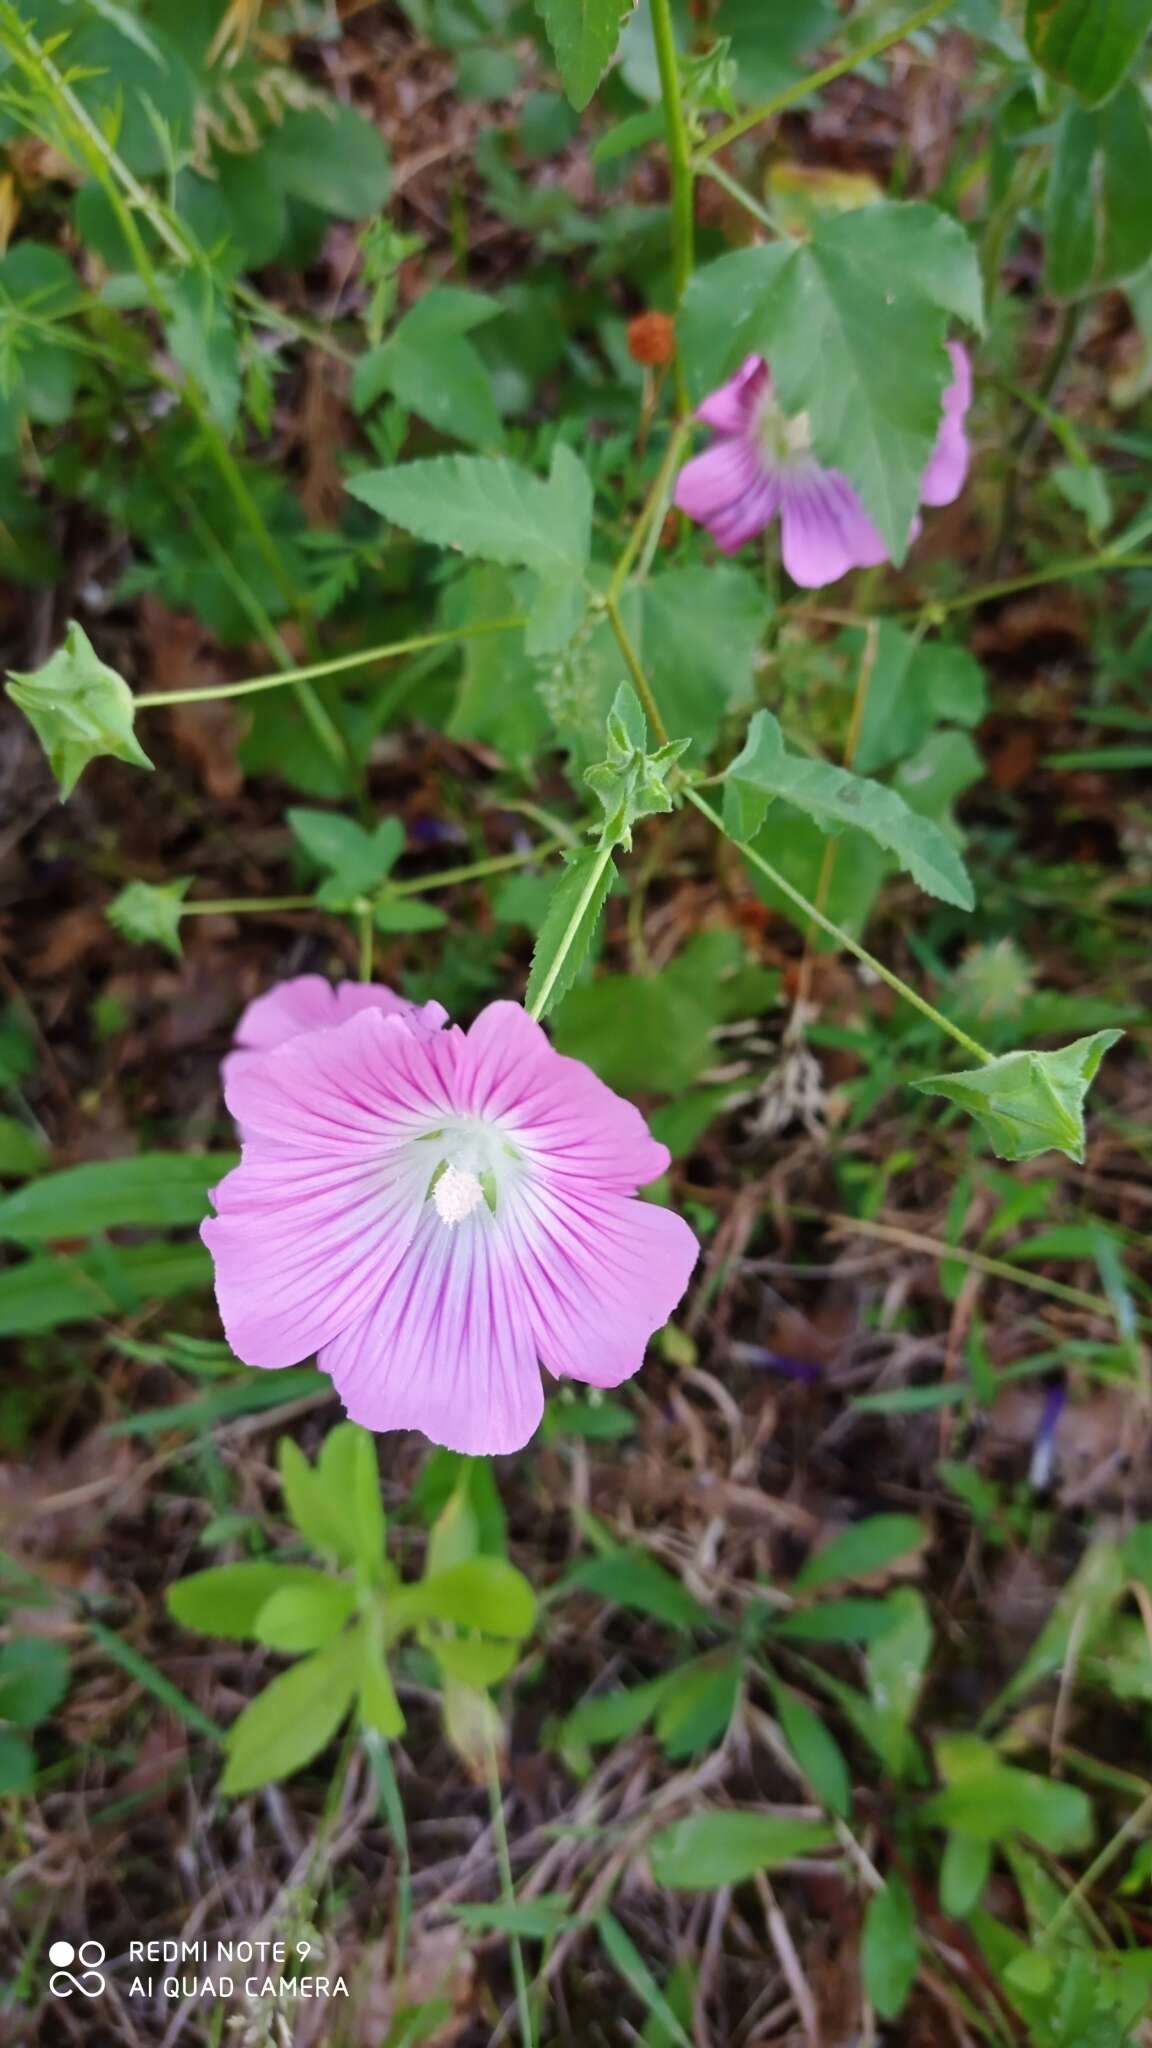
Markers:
(508, 1893)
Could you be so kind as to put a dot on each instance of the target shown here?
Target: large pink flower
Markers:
(761, 464)
(435, 1215)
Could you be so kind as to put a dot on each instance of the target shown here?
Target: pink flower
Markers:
(762, 463)
(435, 1213)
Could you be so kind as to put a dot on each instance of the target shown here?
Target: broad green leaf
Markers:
(432, 370)
(22, 1150)
(697, 1704)
(897, 1665)
(815, 1749)
(294, 1718)
(890, 1950)
(583, 35)
(490, 508)
(150, 912)
(538, 1919)
(612, 1715)
(627, 1959)
(227, 1599)
(347, 1477)
(722, 1847)
(1098, 223)
(964, 1871)
(630, 1578)
(151, 1189)
(379, 1707)
(305, 1617)
(79, 708)
(833, 798)
(473, 1663)
(45, 1292)
(569, 927)
(1029, 1102)
(17, 1763)
(305, 1501)
(331, 157)
(479, 1592)
(699, 632)
(853, 323)
(989, 1800)
(653, 1031)
(37, 376)
(913, 686)
(357, 861)
(868, 1546)
(33, 1679)
(407, 914)
(1088, 44)
(838, 1621)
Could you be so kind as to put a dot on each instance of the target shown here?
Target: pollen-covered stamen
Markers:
(456, 1193)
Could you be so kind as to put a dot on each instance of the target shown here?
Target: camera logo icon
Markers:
(89, 1955)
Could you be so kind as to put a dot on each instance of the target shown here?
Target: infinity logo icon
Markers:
(89, 1955)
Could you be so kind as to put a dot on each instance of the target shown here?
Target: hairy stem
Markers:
(635, 670)
(339, 665)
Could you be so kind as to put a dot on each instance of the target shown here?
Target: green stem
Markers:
(815, 80)
(497, 864)
(843, 938)
(508, 1893)
(719, 176)
(1078, 565)
(680, 164)
(635, 670)
(587, 896)
(339, 665)
(236, 906)
(651, 508)
(367, 934)
(1083, 1885)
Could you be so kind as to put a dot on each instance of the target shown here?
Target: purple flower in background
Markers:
(437, 1212)
(761, 464)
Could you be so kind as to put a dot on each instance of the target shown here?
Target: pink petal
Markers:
(825, 529)
(716, 480)
(750, 514)
(566, 1121)
(310, 1003)
(447, 1348)
(731, 406)
(602, 1273)
(944, 478)
(366, 1084)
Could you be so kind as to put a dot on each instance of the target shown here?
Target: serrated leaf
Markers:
(720, 1848)
(150, 912)
(1029, 1102)
(853, 323)
(79, 709)
(568, 928)
(890, 1950)
(1098, 223)
(833, 798)
(583, 35)
(631, 783)
(432, 370)
(1088, 44)
(490, 508)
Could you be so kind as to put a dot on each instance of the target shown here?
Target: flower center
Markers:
(472, 1165)
(784, 442)
(456, 1193)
